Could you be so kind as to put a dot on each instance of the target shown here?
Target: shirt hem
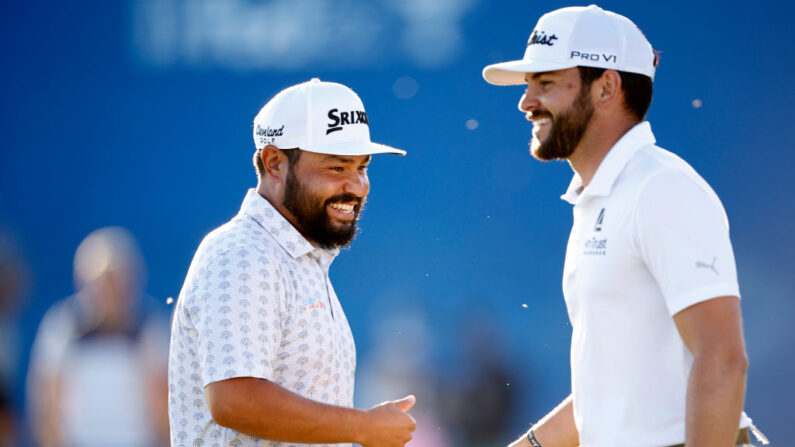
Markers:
(684, 300)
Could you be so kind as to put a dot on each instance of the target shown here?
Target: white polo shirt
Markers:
(649, 238)
(257, 302)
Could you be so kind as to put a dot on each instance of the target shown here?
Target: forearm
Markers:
(715, 395)
(265, 410)
(157, 404)
(47, 417)
(556, 429)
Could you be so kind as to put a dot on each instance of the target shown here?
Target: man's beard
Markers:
(310, 213)
(566, 129)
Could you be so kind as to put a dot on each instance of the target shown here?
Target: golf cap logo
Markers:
(541, 38)
(267, 135)
(594, 57)
(339, 119)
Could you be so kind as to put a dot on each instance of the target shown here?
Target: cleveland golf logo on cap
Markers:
(339, 119)
(267, 135)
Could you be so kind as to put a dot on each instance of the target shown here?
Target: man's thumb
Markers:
(406, 403)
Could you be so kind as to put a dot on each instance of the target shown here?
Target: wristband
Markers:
(532, 438)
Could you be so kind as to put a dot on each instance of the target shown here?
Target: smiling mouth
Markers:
(345, 212)
(541, 121)
(343, 207)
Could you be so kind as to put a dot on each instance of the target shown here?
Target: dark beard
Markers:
(567, 129)
(310, 213)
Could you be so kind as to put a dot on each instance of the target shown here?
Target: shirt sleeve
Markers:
(57, 329)
(682, 233)
(234, 304)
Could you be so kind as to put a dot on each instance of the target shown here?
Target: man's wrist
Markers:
(532, 438)
(361, 424)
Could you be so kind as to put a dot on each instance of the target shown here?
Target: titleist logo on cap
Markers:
(540, 38)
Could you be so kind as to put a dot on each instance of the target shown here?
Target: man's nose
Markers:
(529, 101)
(357, 184)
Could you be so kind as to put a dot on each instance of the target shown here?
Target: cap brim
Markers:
(354, 148)
(513, 72)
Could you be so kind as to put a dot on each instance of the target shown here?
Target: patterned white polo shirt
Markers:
(257, 302)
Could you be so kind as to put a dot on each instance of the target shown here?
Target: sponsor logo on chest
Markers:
(596, 245)
(311, 303)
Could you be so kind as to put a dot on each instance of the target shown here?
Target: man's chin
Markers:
(341, 224)
(544, 152)
(341, 232)
(538, 152)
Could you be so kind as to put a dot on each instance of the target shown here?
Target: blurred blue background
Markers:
(138, 114)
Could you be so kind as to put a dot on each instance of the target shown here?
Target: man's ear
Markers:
(607, 89)
(275, 163)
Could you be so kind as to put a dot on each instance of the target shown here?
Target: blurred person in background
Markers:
(400, 363)
(483, 376)
(14, 283)
(658, 353)
(8, 420)
(261, 351)
(98, 368)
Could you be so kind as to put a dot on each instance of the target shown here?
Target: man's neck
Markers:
(276, 202)
(594, 146)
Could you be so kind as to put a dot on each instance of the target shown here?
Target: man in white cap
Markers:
(261, 351)
(658, 356)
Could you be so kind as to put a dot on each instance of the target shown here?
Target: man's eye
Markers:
(337, 168)
(362, 168)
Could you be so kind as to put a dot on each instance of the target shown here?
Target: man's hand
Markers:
(265, 410)
(389, 424)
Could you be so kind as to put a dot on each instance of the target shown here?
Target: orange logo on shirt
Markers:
(308, 303)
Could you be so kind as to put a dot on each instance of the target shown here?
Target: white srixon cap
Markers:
(585, 36)
(322, 117)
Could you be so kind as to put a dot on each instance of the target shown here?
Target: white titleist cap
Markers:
(568, 37)
(322, 117)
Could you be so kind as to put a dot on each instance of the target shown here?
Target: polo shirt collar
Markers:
(614, 162)
(283, 232)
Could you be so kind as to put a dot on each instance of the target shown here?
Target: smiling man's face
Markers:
(325, 194)
(560, 107)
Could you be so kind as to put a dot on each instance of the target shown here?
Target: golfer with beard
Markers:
(657, 352)
(261, 351)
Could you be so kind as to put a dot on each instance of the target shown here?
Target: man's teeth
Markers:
(343, 207)
(541, 121)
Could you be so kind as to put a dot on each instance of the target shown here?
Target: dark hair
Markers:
(637, 89)
(292, 157)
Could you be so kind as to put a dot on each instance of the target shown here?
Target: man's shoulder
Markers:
(241, 235)
(64, 315)
(653, 164)
(663, 180)
(232, 254)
